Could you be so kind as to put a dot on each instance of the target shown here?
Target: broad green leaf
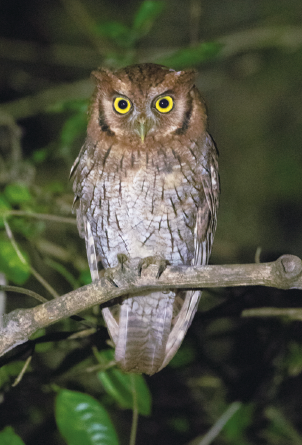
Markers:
(117, 32)
(189, 57)
(11, 264)
(121, 386)
(82, 420)
(17, 193)
(9, 437)
(146, 15)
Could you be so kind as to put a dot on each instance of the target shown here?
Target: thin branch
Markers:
(42, 216)
(289, 313)
(21, 290)
(134, 412)
(44, 100)
(195, 16)
(19, 325)
(52, 54)
(218, 426)
(22, 372)
(36, 274)
(86, 24)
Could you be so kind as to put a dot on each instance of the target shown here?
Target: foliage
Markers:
(8, 437)
(124, 388)
(83, 420)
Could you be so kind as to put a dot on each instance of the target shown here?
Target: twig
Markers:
(22, 372)
(19, 325)
(21, 290)
(257, 254)
(43, 101)
(134, 412)
(84, 21)
(195, 15)
(219, 425)
(44, 216)
(289, 313)
(36, 274)
(50, 54)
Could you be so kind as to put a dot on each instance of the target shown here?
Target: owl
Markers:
(146, 187)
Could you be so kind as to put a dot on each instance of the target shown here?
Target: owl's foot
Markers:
(109, 273)
(157, 260)
(122, 259)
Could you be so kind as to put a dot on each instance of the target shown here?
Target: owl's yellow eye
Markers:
(164, 104)
(121, 105)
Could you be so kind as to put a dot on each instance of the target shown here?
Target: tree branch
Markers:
(19, 325)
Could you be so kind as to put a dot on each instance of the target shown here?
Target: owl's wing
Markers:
(78, 172)
(205, 226)
(92, 257)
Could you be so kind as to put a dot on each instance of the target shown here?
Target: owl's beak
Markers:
(142, 126)
(142, 130)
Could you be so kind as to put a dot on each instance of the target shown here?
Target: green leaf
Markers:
(85, 277)
(82, 420)
(17, 193)
(77, 105)
(121, 386)
(40, 155)
(234, 430)
(10, 370)
(11, 264)
(117, 32)
(185, 356)
(9, 437)
(73, 127)
(189, 57)
(146, 15)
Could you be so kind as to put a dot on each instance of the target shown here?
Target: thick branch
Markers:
(19, 325)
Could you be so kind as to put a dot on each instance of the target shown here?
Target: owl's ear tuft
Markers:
(187, 76)
(106, 80)
(101, 74)
(184, 78)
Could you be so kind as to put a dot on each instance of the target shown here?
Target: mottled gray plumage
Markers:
(146, 184)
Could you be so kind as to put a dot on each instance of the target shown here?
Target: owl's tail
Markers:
(144, 327)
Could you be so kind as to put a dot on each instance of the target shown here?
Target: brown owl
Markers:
(146, 185)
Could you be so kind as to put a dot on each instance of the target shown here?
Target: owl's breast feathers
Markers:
(146, 202)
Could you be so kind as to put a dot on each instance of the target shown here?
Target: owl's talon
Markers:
(108, 275)
(159, 261)
(122, 259)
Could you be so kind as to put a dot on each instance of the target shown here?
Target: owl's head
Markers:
(146, 100)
